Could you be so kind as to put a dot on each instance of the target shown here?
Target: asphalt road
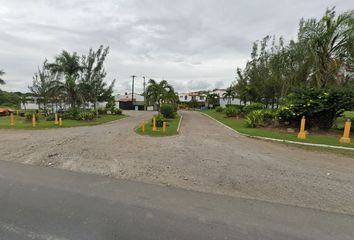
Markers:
(46, 203)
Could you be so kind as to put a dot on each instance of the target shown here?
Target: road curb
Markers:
(280, 140)
(179, 124)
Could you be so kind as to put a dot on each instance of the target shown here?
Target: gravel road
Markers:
(205, 156)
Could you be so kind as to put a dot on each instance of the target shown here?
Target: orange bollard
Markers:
(154, 124)
(346, 135)
(302, 134)
(12, 120)
(143, 127)
(60, 122)
(164, 127)
(56, 119)
(33, 120)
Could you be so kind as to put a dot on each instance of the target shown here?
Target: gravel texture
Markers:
(205, 156)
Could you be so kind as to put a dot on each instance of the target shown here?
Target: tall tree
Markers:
(229, 95)
(93, 74)
(213, 99)
(329, 41)
(2, 82)
(160, 92)
(42, 85)
(68, 66)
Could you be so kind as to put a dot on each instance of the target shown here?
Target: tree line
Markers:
(318, 58)
(73, 80)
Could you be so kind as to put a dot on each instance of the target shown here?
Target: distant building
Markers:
(198, 97)
(223, 102)
(124, 101)
(36, 103)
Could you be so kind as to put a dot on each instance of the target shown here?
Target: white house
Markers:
(32, 103)
(187, 97)
(223, 102)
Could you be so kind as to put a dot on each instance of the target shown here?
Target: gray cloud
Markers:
(195, 44)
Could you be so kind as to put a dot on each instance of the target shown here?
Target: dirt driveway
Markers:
(205, 156)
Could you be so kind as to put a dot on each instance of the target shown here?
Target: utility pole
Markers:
(144, 95)
(133, 77)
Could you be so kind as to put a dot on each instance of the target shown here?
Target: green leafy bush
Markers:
(50, 117)
(321, 107)
(168, 111)
(232, 112)
(253, 106)
(111, 104)
(72, 113)
(86, 115)
(28, 116)
(219, 109)
(264, 117)
(340, 121)
(102, 111)
(116, 111)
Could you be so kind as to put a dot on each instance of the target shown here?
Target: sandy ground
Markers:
(205, 156)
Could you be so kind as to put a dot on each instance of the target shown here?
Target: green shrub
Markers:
(265, 117)
(321, 107)
(219, 109)
(167, 110)
(50, 117)
(116, 111)
(72, 113)
(253, 106)
(28, 116)
(111, 104)
(86, 115)
(232, 112)
(102, 111)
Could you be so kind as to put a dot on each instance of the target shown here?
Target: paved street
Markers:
(49, 204)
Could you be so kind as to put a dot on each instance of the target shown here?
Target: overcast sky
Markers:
(195, 44)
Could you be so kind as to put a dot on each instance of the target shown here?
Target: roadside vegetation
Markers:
(71, 87)
(311, 77)
(24, 123)
(240, 124)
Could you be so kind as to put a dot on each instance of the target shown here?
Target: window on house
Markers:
(185, 97)
(201, 98)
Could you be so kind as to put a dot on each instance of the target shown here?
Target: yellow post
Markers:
(164, 127)
(346, 135)
(17, 112)
(302, 134)
(60, 122)
(154, 124)
(143, 126)
(56, 119)
(33, 120)
(12, 120)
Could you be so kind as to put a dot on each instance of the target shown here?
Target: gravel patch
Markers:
(205, 156)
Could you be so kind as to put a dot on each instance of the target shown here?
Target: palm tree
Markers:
(229, 94)
(160, 92)
(2, 82)
(69, 66)
(328, 42)
(212, 99)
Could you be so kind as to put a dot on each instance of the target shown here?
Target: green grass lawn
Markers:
(171, 129)
(240, 126)
(21, 123)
